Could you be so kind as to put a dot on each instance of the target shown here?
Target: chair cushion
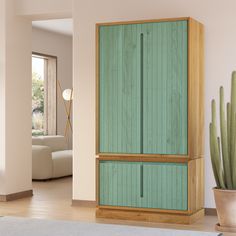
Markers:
(62, 163)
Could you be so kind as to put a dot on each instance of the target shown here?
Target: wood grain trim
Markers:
(141, 155)
(144, 159)
(150, 216)
(147, 155)
(195, 89)
(143, 21)
(97, 91)
(195, 185)
(190, 170)
(144, 209)
(16, 196)
(97, 181)
(83, 203)
(201, 117)
(189, 185)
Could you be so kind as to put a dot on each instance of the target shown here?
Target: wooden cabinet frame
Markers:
(195, 156)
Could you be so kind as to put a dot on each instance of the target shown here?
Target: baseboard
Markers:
(210, 211)
(84, 203)
(15, 196)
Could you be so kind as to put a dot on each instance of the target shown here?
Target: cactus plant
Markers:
(223, 148)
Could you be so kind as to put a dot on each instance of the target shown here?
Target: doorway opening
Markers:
(52, 98)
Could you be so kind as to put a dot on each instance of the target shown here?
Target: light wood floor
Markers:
(52, 200)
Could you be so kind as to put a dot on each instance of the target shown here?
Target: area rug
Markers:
(14, 226)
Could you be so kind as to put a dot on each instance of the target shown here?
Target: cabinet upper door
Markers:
(165, 87)
(143, 89)
(119, 89)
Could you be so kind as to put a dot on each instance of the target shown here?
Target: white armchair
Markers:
(50, 157)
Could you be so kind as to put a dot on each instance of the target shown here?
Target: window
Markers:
(43, 95)
(38, 84)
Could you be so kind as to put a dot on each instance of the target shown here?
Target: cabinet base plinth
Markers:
(149, 216)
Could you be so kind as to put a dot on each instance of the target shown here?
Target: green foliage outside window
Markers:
(37, 105)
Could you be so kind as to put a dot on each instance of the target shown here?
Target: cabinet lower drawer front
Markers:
(143, 184)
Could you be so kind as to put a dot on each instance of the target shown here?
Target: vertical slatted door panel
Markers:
(165, 186)
(119, 89)
(110, 61)
(165, 117)
(119, 183)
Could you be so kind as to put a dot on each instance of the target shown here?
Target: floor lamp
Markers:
(67, 97)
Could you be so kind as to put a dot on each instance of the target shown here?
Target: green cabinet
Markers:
(143, 88)
(150, 120)
(143, 184)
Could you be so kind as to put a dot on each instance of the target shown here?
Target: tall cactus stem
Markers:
(224, 142)
(233, 151)
(233, 110)
(212, 158)
(233, 125)
(215, 148)
(229, 126)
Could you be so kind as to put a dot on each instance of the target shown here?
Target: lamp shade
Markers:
(67, 94)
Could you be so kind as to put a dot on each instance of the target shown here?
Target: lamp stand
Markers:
(68, 125)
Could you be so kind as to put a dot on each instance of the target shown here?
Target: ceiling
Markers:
(62, 26)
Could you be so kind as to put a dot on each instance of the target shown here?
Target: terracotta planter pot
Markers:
(226, 207)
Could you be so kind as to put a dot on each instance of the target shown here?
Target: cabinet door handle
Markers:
(141, 181)
(141, 91)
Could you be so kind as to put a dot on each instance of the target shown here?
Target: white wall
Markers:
(15, 91)
(15, 96)
(58, 45)
(219, 19)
